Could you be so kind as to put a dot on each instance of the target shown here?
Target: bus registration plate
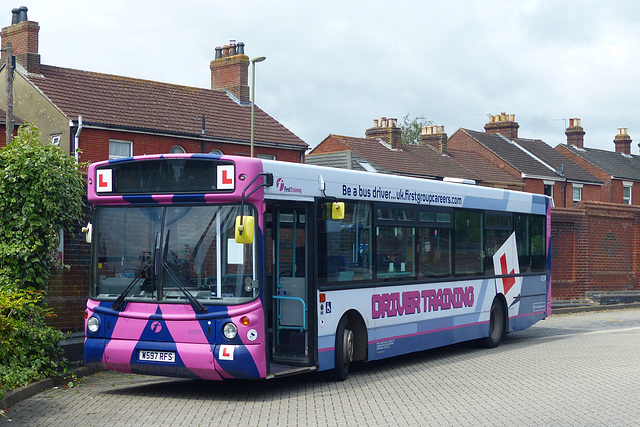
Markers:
(157, 356)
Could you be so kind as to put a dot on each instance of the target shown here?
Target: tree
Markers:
(41, 190)
(412, 128)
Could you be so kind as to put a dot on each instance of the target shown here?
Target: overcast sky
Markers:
(335, 66)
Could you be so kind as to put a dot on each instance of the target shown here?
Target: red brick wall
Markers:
(94, 144)
(69, 289)
(593, 248)
(329, 145)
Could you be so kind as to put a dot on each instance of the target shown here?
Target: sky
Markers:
(333, 67)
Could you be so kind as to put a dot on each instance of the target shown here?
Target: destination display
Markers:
(165, 176)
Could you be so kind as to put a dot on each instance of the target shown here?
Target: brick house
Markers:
(108, 116)
(619, 170)
(381, 151)
(532, 161)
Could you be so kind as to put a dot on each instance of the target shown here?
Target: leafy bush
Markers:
(41, 190)
(29, 349)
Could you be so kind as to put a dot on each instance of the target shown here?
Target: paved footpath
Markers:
(569, 370)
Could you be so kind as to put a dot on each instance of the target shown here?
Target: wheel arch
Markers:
(361, 337)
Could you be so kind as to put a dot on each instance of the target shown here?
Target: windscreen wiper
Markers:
(197, 305)
(118, 303)
(146, 272)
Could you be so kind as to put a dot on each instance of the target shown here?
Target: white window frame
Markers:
(550, 184)
(579, 188)
(627, 200)
(266, 156)
(119, 141)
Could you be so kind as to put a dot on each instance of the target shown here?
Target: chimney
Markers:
(23, 36)
(230, 70)
(388, 131)
(503, 124)
(435, 137)
(622, 142)
(575, 133)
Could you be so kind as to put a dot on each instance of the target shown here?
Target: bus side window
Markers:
(344, 244)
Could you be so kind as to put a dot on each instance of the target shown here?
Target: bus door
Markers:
(290, 271)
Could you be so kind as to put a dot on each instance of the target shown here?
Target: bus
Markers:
(220, 267)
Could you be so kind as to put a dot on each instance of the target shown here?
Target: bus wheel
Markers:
(496, 325)
(344, 350)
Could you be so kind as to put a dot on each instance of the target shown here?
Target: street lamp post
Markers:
(253, 92)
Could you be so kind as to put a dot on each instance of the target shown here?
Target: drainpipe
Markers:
(75, 148)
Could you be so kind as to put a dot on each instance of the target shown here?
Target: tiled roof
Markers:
(384, 157)
(617, 165)
(487, 171)
(444, 166)
(125, 102)
(413, 160)
(552, 157)
(340, 159)
(512, 154)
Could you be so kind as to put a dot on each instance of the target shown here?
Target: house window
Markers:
(267, 156)
(548, 188)
(55, 140)
(177, 149)
(120, 149)
(626, 192)
(577, 193)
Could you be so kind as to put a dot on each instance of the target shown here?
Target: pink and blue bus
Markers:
(222, 267)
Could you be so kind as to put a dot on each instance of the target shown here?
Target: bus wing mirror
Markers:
(87, 231)
(337, 210)
(245, 227)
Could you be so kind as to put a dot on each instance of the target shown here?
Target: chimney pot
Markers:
(225, 50)
(240, 48)
(22, 14)
(375, 123)
(15, 13)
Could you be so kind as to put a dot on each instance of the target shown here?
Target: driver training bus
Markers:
(222, 267)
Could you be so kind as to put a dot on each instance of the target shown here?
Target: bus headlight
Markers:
(230, 330)
(93, 324)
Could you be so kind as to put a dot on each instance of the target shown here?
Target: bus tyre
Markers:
(496, 325)
(344, 350)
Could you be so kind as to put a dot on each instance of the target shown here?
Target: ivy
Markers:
(41, 190)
